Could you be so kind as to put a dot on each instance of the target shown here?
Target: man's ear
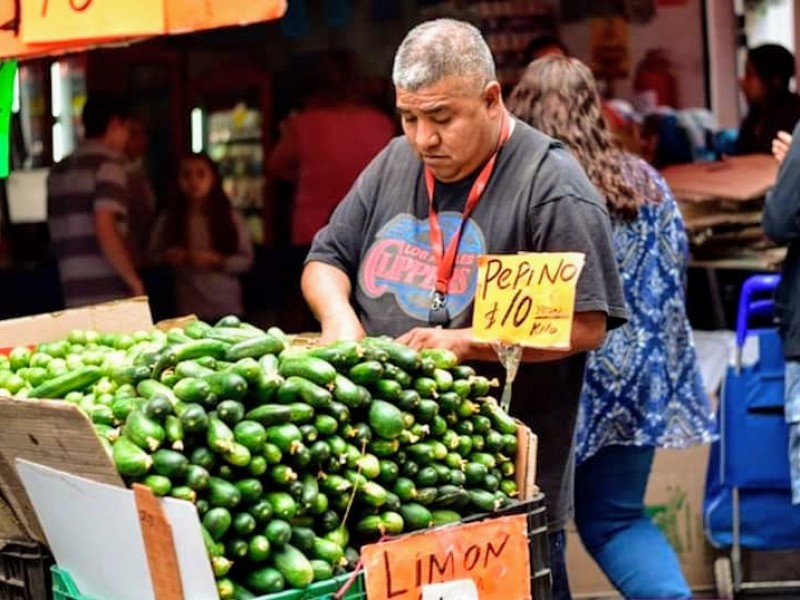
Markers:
(493, 96)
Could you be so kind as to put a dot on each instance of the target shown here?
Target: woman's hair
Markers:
(558, 96)
(224, 234)
(774, 65)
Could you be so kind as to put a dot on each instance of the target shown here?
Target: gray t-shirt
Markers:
(537, 200)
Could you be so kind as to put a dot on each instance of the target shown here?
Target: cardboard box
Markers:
(55, 434)
(674, 499)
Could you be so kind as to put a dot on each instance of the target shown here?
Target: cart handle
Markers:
(757, 284)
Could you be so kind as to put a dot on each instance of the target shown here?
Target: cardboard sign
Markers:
(62, 20)
(7, 72)
(492, 556)
(194, 15)
(527, 299)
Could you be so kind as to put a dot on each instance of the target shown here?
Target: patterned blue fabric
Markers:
(643, 386)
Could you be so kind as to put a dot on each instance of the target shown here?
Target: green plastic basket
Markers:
(64, 588)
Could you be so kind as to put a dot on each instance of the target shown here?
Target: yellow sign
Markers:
(63, 20)
(527, 299)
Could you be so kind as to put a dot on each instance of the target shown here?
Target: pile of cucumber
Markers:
(293, 457)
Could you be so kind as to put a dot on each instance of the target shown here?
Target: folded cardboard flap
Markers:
(525, 465)
(51, 433)
(123, 315)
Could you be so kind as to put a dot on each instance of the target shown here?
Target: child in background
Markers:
(205, 241)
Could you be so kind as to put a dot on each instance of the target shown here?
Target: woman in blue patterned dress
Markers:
(642, 388)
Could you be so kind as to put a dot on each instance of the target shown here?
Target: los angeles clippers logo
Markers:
(400, 262)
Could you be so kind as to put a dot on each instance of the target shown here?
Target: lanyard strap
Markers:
(446, 259)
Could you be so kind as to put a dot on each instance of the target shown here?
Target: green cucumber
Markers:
(283, 505)
(197, 477)
(342, 354)
(251, 489)
(267, 580)
(193, 418)
(278, 532)
(150, 387)
(143, 431)
(230, 411)
(311, 368)
(416, 516)
(404, 357)
(193, 369)
(169, 463)
(58, 387)
(227, 385)
(347, 392)
(254, 347)
(322, 570)
(298, 388)
(258, 550)
(193, 390)
(294, 566)
(250, 434)
(217, 521)
(219, 436)
(130, 459)
(330, 552)
(223, 493)
(385, 419)
(445, 517)
(366, 373)
(442, 358)
(158, 484)
(196, 329)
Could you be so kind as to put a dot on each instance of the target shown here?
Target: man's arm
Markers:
(781, 218)
(113, 246)
(588, 332)
(327, 291)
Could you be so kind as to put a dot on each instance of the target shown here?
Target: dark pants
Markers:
(558, 566)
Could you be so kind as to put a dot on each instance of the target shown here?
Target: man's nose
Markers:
(426, 135)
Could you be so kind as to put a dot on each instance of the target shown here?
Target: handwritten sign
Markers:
(62, 20)
(492, 555)
(7, 72)
(526, 299)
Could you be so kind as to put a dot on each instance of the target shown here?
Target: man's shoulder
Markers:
(558, 174)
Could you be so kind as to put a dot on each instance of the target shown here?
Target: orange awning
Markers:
(87, 29)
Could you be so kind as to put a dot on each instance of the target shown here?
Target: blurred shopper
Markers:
(781, 221)
(141, 198)
(542, 45)
(322, 149)
(642, 388)
(772, 107)
(206, 242)
(87, 209)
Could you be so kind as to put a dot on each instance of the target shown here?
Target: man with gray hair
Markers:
(399, 255)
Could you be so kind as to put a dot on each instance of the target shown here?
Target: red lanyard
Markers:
(446, 259)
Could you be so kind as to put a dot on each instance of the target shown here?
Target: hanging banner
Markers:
(526, 299)
(64, 20)
(194, 15)
(7, 72)
(51, 27)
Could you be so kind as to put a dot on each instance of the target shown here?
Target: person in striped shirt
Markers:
(87, 200)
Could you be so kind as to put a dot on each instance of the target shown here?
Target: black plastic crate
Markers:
(538, 542)
(25, 571)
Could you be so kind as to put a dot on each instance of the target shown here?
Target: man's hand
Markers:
(175, 256)
(205, 259)
(343, 327)
(780, 145)
(457, 340)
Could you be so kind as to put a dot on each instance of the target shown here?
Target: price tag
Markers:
(461, 589)
(527, 299)
(193, 15)
(159, 545)
(64, 20)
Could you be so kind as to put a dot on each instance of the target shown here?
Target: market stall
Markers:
(280, 467)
